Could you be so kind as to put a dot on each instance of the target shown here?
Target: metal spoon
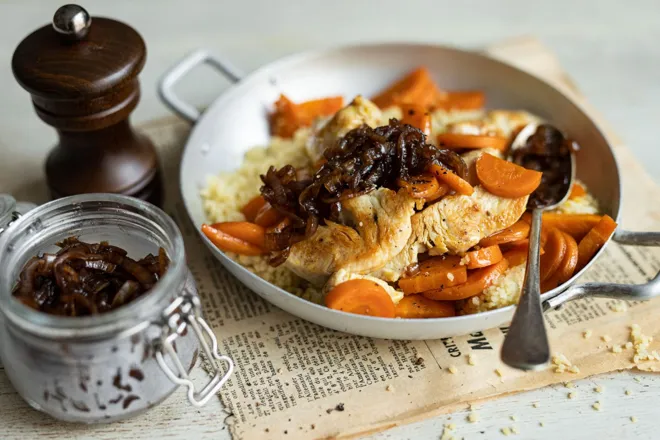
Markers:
(526, 344)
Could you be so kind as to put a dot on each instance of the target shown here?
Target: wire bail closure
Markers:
(184, 312)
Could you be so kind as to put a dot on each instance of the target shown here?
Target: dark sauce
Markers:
(548, 151)
(84, 279)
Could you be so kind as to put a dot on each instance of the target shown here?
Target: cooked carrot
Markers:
(289, 116)
(417, 87)
(577, 190)
(229, 243)
(417, 116)
(308, 111)
(455, 182)
(594, 240)
(361, 296)
(516, 256)
(457, 140)
(246, 231)
(442, 260)
(518, 231)
(444, 273)
(566, 268)
(522, 244)
(424, 187)
(576, 225)
(555, 249)
(252, 207)
(504, 178)
(461, 100)
(283, 121)
(476, 282)
(486, 256)
(418, 306)
(267, 216)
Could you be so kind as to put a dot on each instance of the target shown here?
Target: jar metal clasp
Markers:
(184, 312)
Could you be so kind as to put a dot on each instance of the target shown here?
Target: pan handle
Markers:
(180, 70)
(630, 292)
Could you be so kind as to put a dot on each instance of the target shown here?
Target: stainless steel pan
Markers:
(236, 121)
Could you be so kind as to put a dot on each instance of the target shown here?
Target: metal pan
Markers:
(237, 121)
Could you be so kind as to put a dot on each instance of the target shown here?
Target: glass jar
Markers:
(10, 210)
(114, 365)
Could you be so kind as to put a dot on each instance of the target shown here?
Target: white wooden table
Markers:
(608, 48)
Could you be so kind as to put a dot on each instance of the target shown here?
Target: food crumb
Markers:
(641, 344)
(514, 430)
(446, 432)
(473, 417)
(618, 306)
(638, 380)
(562, 364)
(452, 369)
(571, 395)
(279, 371)
(541, 424)
(450, 276)
(596, 406)
(628, 392)
(598, 389)
(419, 361)
(389, 388)
(472, 359)
(569, 385)
(506, 431)
(616, 349)
(606, 338)
(499, 372)
(633, 419)
(513, 418)
(339, 407)
(587, 334)
(535, 404)
(629, 345)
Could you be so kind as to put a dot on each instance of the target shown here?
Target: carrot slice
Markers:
(416, 116)
(476, 282)
(267, 216)
(289, 116)
(418, 306)
(457, 140)
(246, 231)
(432, 275)
(506, 179)
(362, 297)
(518, 231)
(252, 207)
(576, 225)
(555, 249)
(229, 243)
(594, 240)
(308, 111)
(452, 180)
(516, 256)
(483, 257)
(417, 87)
(523, 244)
(424, 187)
(577, 190)
(566, 268)
(461, 100)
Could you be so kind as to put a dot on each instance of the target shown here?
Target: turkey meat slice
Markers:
(360, 111)
(458, 222)
(494, 123)
(376, 228)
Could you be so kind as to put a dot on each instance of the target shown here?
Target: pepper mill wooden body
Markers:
(83, 80)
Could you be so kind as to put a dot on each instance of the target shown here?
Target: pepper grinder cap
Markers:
(76, 57)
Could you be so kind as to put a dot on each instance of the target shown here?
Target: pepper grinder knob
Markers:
(83, 81)
(72, 22)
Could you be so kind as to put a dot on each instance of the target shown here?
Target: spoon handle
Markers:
(526, 345)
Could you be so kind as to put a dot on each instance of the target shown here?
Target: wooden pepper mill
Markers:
(83, 80)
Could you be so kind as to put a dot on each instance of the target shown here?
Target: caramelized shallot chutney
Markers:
(84, 279)
(548, 151)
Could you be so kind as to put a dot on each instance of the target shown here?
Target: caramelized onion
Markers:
(86, 279)
(362, 161)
